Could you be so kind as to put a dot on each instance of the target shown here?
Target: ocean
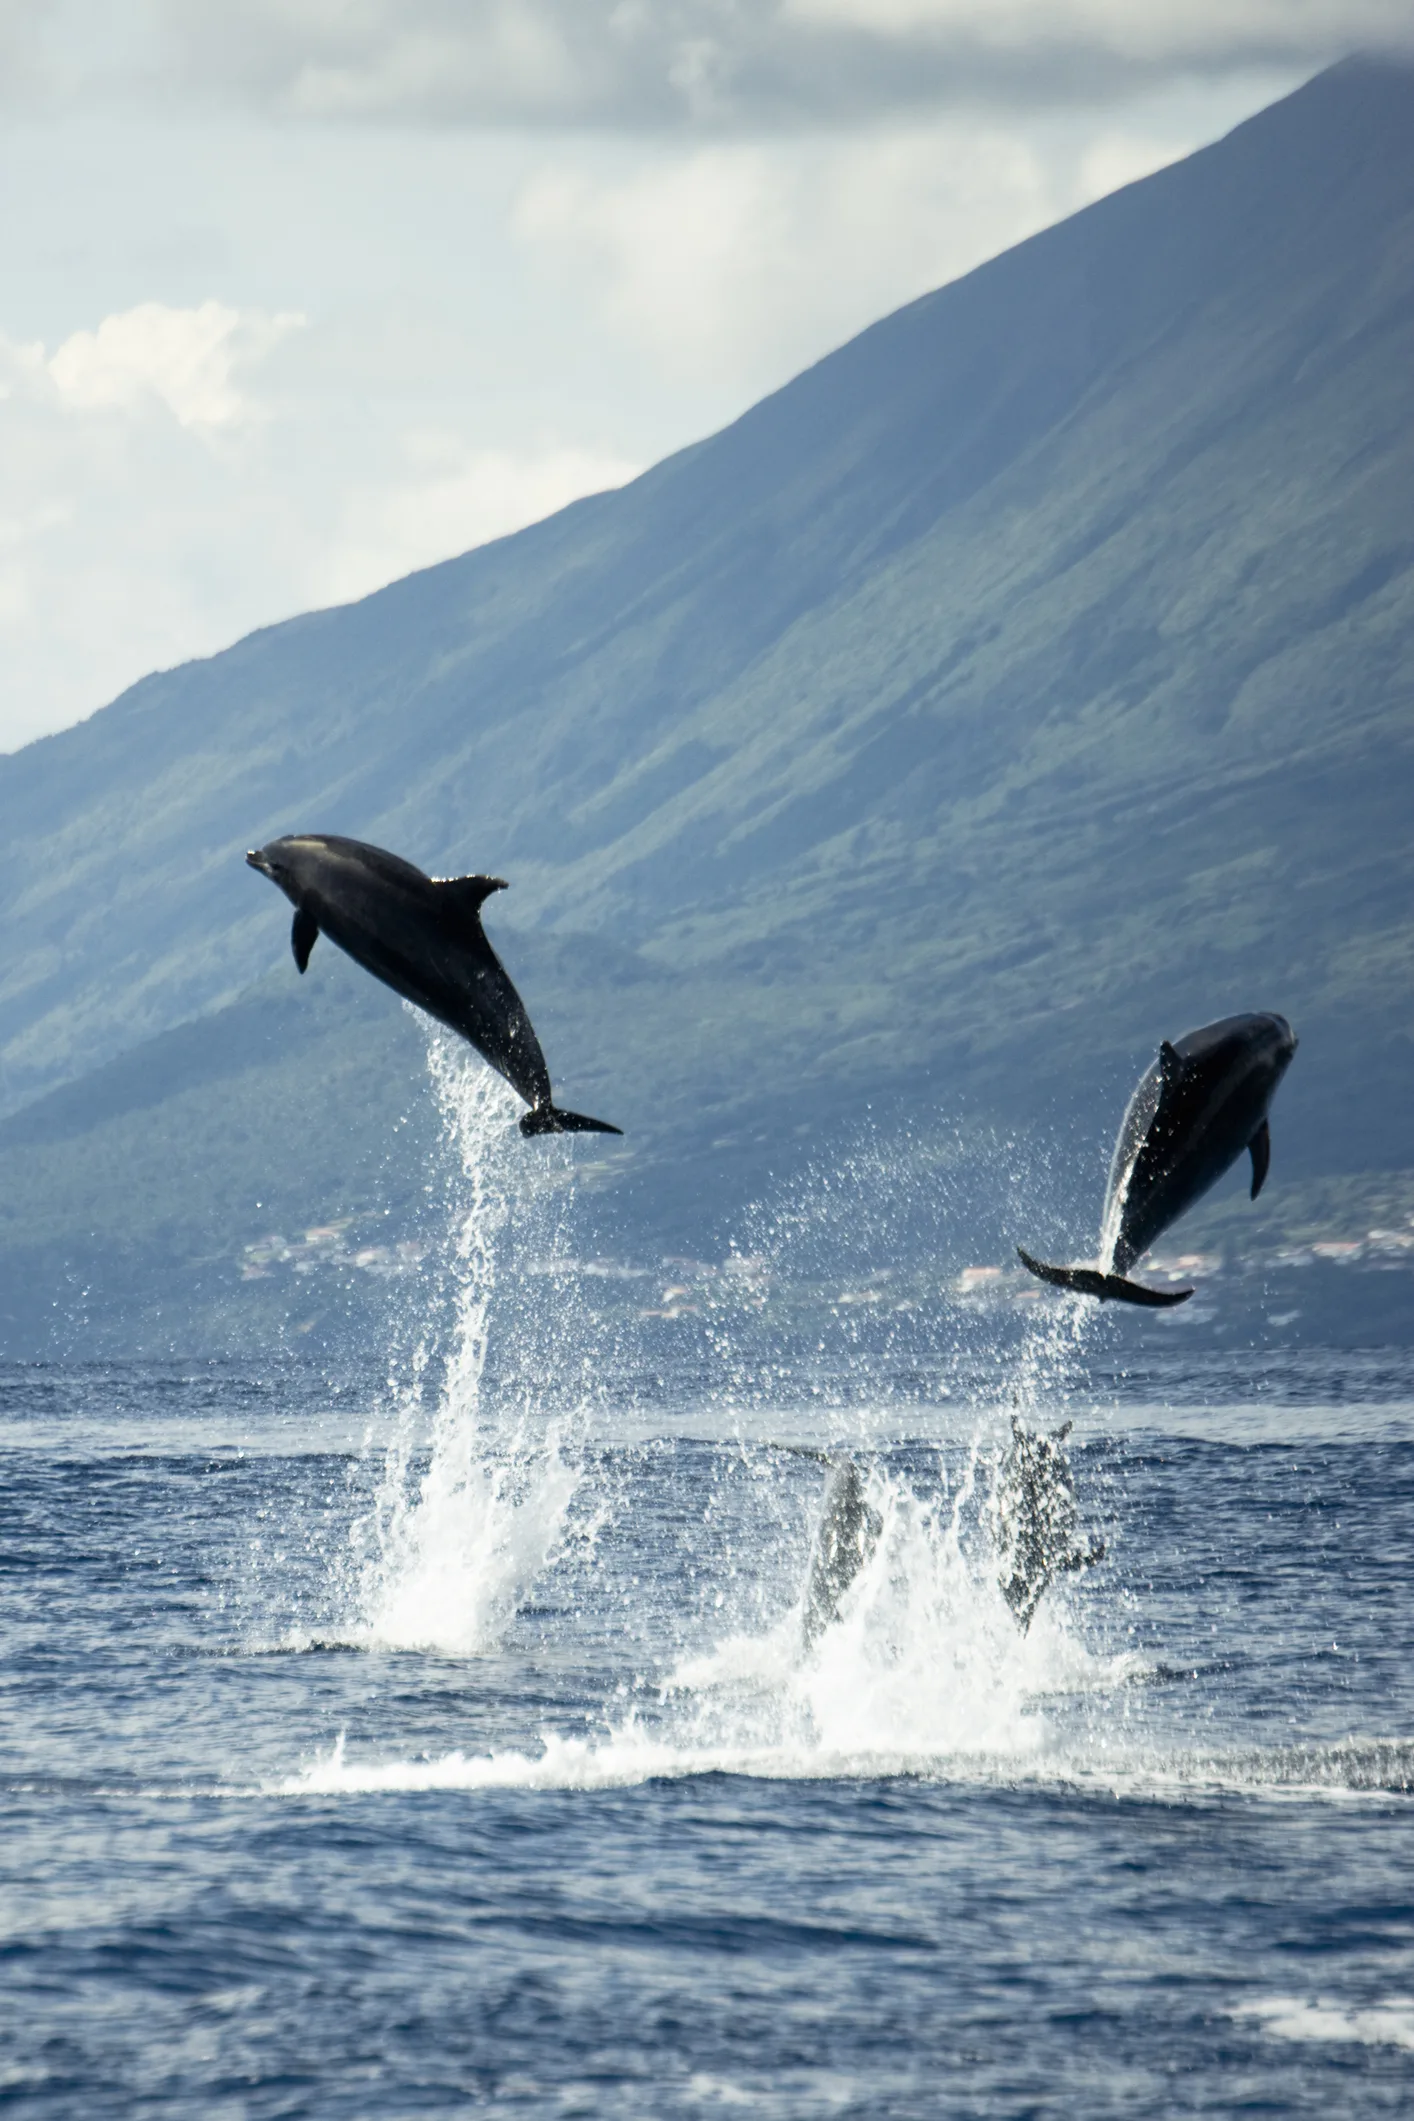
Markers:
(443, 1736)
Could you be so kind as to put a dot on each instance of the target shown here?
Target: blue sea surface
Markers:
(447, 1741)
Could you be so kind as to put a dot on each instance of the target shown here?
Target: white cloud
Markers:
(450, 497)
(1114, 159)
(677, 252)
(169, 547)
(125, 541)
(186, 359)
(1167, 32)
(731, 64)
(744, 261)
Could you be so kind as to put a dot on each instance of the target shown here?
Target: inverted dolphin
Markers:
(845, 1539)
(422, 936)
(1034, 1519)
(1193, 1113)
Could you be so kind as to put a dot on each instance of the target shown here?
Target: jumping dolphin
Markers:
(845, 1539)
(1194, 1111)
(422, 936)
(1034, 1516)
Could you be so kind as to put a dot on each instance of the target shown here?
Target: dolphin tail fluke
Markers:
(1118, 1290)
(550, 1119)
(1108, 1288)
(1086, 1281)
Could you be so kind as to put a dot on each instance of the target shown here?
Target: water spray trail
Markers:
(923, 1663)
(925, 1659)
(1049, 1358)
(922, 1672)
(456, 1550)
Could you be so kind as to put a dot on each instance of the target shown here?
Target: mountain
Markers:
(1030, 679)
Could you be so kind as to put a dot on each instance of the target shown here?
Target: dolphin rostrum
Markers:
(1203, 1101)
(1034, 1519)
(844, 1543)
(422, 936)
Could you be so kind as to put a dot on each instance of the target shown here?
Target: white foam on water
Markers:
(923, 1662)
(464, 1551)
(632, 1757)
(451, 1552)
(638, 1751)
(1386, 2024)
(924, 1672)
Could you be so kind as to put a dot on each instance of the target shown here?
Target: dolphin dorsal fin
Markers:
(1170, 1063)
(467, 894)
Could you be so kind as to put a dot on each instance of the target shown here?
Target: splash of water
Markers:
(455, 1543)
(923, 1672)
(1049, 1358)
(924, 1660)
(924, 1664)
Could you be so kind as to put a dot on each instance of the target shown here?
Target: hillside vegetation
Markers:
(1028, 681)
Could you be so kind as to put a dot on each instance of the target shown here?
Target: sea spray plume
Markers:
(922, 1666)
(1035, 1517)
(460, 1530)
(924, 1670)
(896, 1643)
(1193, 1113)
(858, 1243)
(422, 936)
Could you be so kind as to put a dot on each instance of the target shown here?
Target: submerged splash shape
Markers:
(918, 1667)
(922, 1672)
(458, 1548)
(923, 1664)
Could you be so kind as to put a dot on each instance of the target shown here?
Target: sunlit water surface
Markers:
(418, 1744)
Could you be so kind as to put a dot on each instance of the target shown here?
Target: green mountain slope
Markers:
(1027, 681)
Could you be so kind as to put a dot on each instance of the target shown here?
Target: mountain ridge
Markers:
(1028, 680)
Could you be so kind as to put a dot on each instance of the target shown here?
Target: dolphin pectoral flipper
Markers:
(1108, 1288)
(1261, 1148)
(303, 936)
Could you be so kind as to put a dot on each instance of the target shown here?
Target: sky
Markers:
(298, 295)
